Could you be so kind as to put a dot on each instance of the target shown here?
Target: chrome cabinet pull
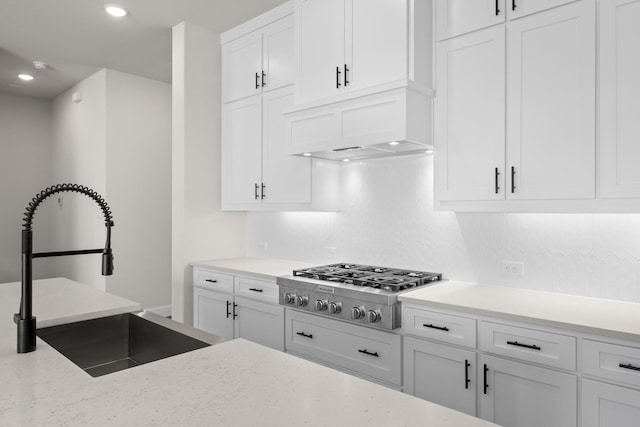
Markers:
(257, 77)
(255, 290)
(497, 174)
(228, 312)
(255, 191)
(302, 334)
(365, 351)
(513, 179)
(234, 310)
(263, 194)
(346, 76)
(338, 84)
(210, 280)
(264, 79)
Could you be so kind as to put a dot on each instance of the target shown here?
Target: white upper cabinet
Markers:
(470, 116)
(619, 99)
(256, 173)
(376, 42)
(551, 104)
(537, 86)
(348, 45)
(457, 17)
(319, 48)
(259, 61)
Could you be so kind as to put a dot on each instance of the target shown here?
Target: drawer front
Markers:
(439, 326)
(260, 290)
(212, 280)
(359, 349)
(530, 345)
(611, 362)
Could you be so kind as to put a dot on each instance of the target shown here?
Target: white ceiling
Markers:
(77, 37)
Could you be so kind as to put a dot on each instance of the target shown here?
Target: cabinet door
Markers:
(277, 42)
(287, 179)
(375, 42)
(259, 322)
(241, 67)
(212, 312)
(441, 374)
(518, 8)
(551, 99)
(242, 152)
(619, 98)
(455, 17)
(605, 405)
(319, 48)
(523, 395)
(470, 116)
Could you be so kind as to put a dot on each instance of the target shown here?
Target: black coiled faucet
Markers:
(24, 319)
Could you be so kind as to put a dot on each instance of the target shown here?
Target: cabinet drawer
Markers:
(611, 362)
(439, 326)
(260, 290)
(212, 280)
(531, 345)
(358, 349)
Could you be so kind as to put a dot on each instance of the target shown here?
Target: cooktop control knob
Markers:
(321, 304)
(335, 308)
(289, 298)
(302, 300)
(374, 316)
(357, 313)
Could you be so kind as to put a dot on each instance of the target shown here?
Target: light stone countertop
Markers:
(262, 268)
(609, 318)
(236, 383)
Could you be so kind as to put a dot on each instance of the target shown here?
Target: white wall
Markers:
(388, 219)
(116, 141)
(199, 229)
(138, 187)
(79, 151)
(25, 169)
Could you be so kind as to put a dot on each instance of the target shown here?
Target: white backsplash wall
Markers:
(388, 219)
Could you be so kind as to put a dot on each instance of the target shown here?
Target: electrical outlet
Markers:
(512, 268)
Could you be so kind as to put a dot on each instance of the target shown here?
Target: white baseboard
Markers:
(163, 310)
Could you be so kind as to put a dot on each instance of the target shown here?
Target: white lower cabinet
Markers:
(439, 373)
(365, 352)
(247, 310)
(523, 395)
(606, 405)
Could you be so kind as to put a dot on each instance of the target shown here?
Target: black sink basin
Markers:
(110, 344)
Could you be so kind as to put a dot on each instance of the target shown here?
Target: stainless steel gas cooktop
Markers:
(355, 293)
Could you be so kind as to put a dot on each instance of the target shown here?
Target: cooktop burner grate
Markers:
(388, 279)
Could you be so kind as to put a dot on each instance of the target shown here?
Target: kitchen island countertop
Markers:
(609, 318)
(236, 383)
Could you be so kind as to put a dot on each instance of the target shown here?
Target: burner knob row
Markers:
(289, 298)
(335, 308)
(357, 313)
(302, 300)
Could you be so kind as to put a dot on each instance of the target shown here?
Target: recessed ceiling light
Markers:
(115, 10)
(306, 154)
(394, 143)
(39, 65)
(346, 160)
(25, 77)
(428, 151)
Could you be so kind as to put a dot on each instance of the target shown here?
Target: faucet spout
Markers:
(25, 320)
